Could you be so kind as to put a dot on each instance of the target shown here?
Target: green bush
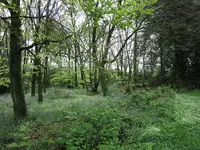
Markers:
(90, 127)
(144, 113)
(61, 77)
(55, 93)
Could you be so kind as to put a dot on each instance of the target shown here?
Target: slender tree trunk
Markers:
(118, 70)
(7, 45)
(75, 66)
(125, 70)
(162, 69)
(83, 77)
(135, 65)
(39, 75)
(104, 87)
(82, 68)
(75, 75)
(121, 65)
(69, 62)
(33, 80)
(17, 93)
(24, 63)
(96, 82)
(144, 67)
(46, 78)
(24, 72)
(40, 86)
(90, 70)
(151, 64)
(129, 68)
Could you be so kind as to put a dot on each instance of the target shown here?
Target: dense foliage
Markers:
(176, 28)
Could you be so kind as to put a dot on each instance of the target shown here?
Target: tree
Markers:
(175, 26)
(17, 92)
(15, 58)
(111, 15)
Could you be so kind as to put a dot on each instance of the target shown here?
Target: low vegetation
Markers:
(157, 118)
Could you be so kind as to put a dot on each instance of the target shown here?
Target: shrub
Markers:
(144, 113)
(55, 93)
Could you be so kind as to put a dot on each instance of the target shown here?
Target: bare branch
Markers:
(28, 47)
(125, 42)
(43, 43)
(36, 59)
(27, 17)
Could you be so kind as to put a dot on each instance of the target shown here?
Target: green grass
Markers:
(153, 119)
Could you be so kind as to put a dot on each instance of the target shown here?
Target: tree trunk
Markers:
(180, 68)
(135, 65)
(17, 93)
(24, 62)
(40, 86)
(94, 56)
(90, 70)
(144, 68)
(104, 87)
(46, 78)
(75, 65)
(118, 70)
(162, 69)
(121, 65)
(33, 80)
(82, 69)
(39, 75)
(102, 72)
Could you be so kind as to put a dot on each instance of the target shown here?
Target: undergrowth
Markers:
(156, 118)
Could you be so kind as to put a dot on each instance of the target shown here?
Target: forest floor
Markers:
(147, 119)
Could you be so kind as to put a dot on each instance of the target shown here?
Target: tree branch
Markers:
(42, 43)
(125, 42)
(28, 47)
(36, 59)
(26, 17)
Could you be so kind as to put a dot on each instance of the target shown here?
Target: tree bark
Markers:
(102, 73)
(17, 92)
(94, 57)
